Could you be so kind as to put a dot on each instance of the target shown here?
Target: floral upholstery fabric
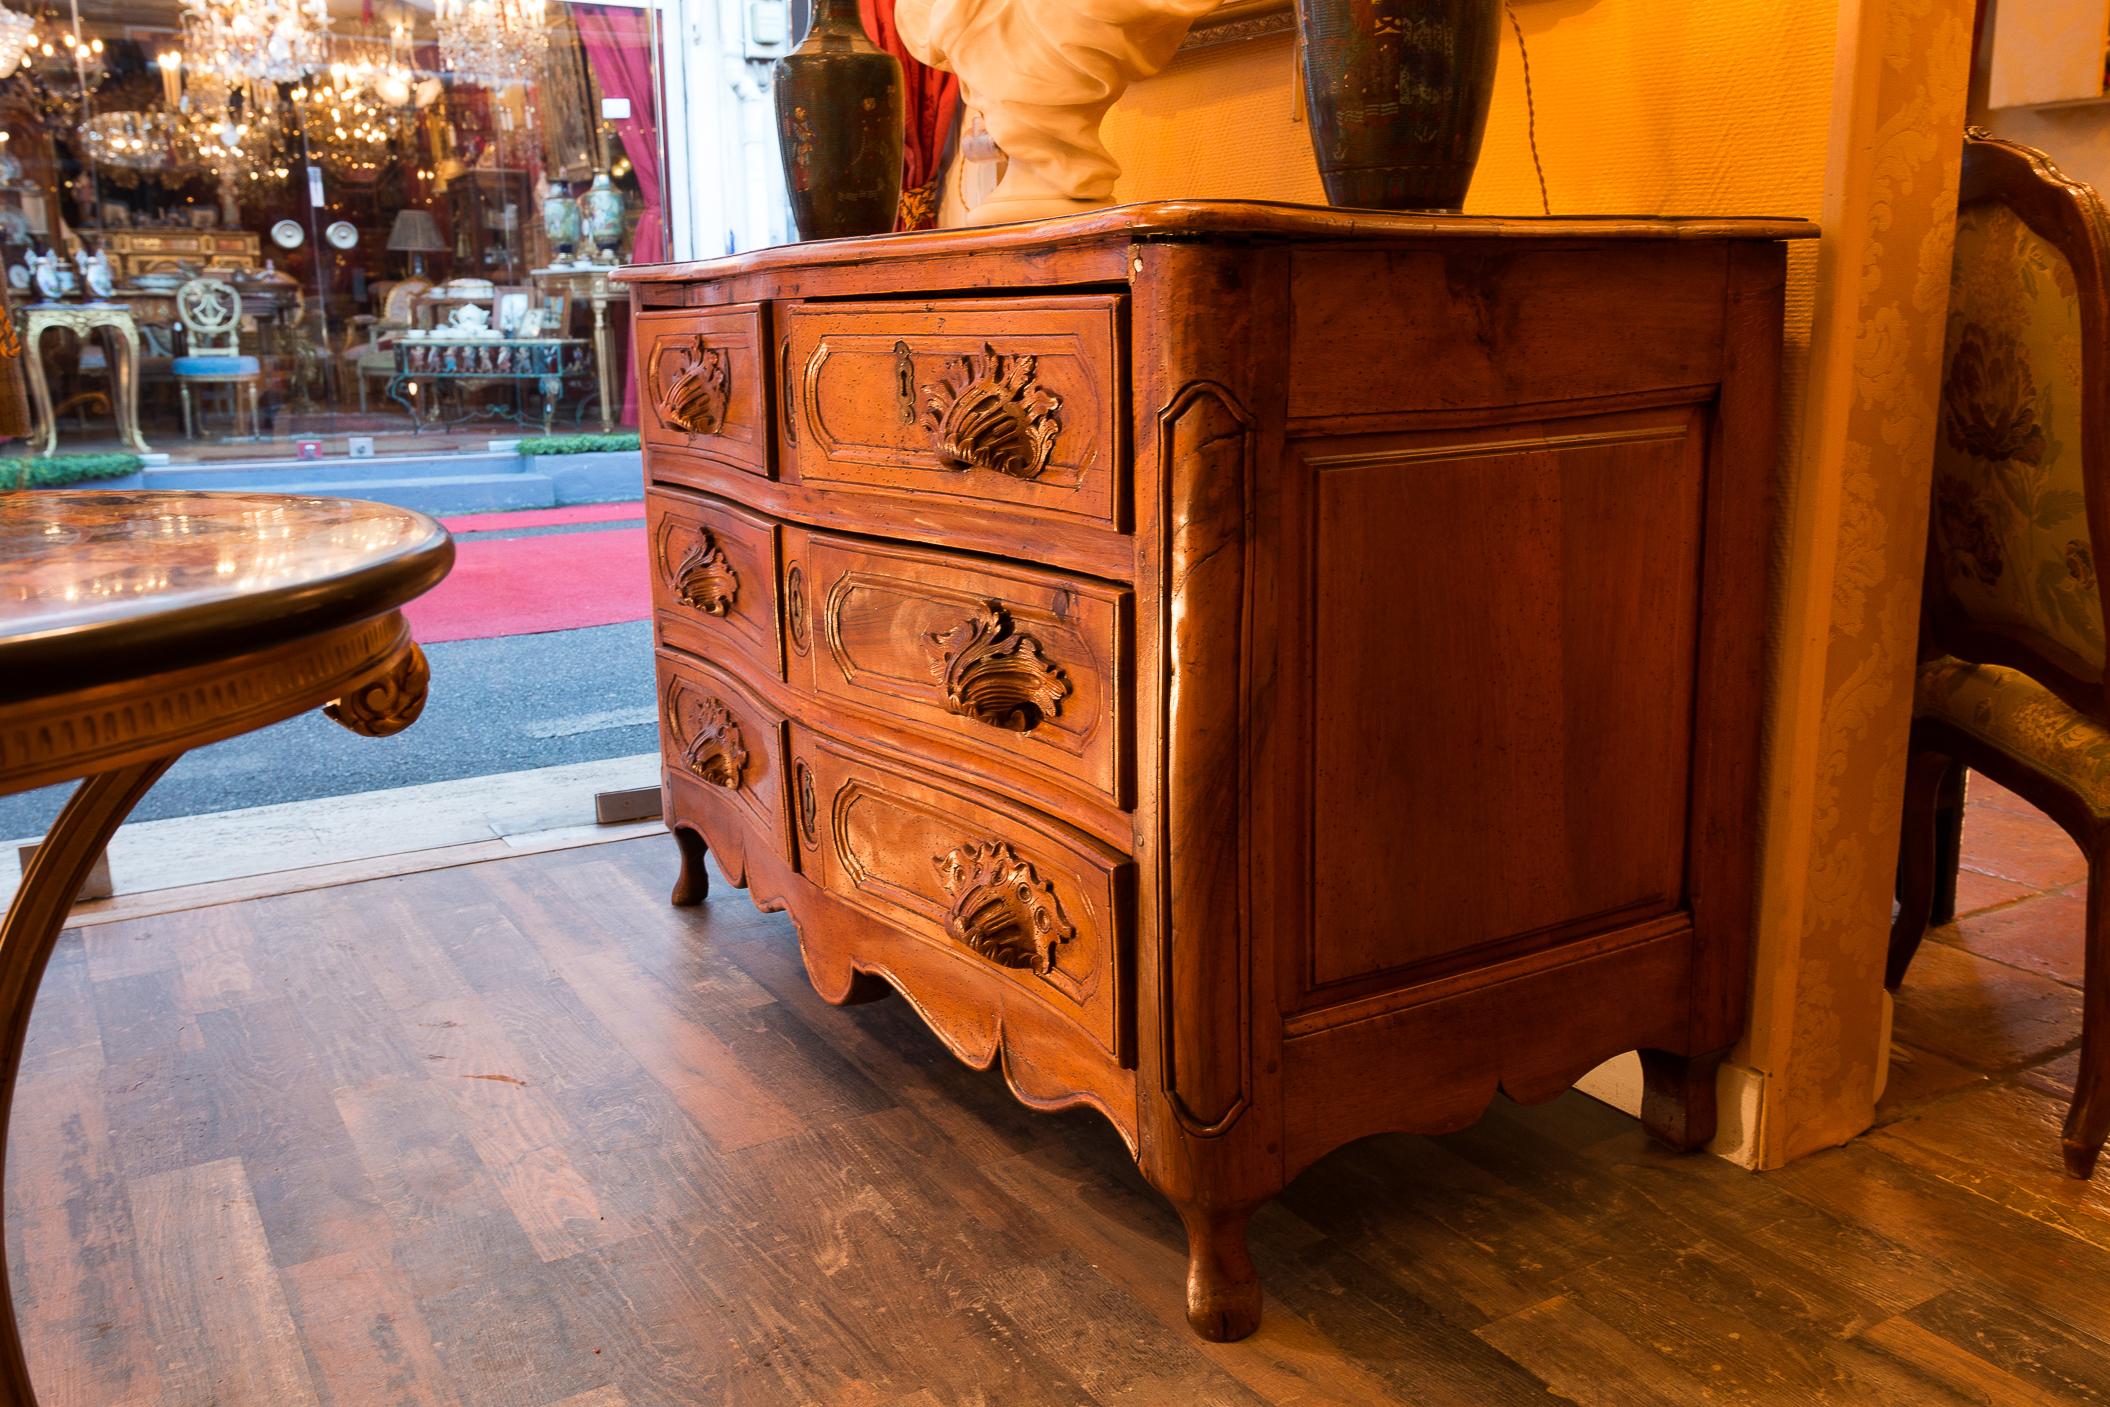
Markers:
(2008, 710)
(2010, 529)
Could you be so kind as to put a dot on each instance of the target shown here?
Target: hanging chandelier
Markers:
(17, 33)
(349, 129)
(257, 41)
(130, 141)
(493, 42)
(60, 68)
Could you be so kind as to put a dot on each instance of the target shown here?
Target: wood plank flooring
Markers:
(518, 1134)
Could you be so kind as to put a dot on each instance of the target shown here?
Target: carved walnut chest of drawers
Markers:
(1273, 675)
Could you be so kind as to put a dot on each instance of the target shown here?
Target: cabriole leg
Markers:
(693, 884)
(1223, 1289)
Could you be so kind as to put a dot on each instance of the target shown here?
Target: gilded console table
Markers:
(120, 336)
(1272, 675)
(595, 287)
(136, 626)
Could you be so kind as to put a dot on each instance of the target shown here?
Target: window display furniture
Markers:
(120, 339)
(136, 626)
(1272, 675)
(135, 252)
(211, 312)
(2013, 679)
(559, 286)
(376, 359)
(429, 367)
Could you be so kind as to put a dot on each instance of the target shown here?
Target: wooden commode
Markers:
(1273, 675)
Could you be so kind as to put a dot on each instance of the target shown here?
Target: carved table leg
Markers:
(693, 884)
(1223, 1289)
(1677, 1097)
(33, 923)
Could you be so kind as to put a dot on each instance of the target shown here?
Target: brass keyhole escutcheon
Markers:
(905, 383)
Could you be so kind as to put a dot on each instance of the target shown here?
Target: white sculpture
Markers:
(1042, 73)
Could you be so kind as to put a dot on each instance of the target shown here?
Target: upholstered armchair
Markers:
(376, 358)
(2012, 679)
(211, 313)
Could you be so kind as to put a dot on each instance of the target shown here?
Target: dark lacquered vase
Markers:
(1399, 93)
(839, 116)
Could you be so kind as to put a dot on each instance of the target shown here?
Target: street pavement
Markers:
(500, 705)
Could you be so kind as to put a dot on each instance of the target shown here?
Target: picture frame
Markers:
(1235, 21)
(511, 307)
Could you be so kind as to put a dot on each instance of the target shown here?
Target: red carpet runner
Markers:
(527, 585)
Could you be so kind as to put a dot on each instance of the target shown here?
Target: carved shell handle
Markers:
(993, 674)
(1001, 908)
(986, 411)
(711, 744)
(704, 579)
(695, 401)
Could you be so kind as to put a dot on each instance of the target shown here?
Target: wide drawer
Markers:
(714, 578)
(718, 739)
(704, 383)
(1009, 892)
(1011, 402)
(1022, 666)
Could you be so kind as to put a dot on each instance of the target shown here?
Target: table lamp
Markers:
(417, 234)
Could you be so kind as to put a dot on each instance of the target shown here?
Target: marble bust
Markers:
(1042, 73)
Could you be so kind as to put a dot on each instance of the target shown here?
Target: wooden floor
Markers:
(518, 1133)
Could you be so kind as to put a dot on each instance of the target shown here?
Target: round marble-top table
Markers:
(135, 626)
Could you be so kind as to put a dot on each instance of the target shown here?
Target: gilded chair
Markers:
(2011, 679)
(211, 313)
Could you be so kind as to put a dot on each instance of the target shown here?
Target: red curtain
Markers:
(931, 97)
(618, 44)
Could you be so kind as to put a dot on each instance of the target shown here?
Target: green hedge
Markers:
(28, 473)
(578, 444)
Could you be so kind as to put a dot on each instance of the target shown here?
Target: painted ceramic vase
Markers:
(839, 127)
(601, 210)
(561, 220)
(1399, 94)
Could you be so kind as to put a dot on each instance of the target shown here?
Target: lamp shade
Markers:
(416, 232)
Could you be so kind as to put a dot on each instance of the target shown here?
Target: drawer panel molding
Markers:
(703, 384)
(1023, 666)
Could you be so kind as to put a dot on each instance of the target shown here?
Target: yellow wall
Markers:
(1846, 111)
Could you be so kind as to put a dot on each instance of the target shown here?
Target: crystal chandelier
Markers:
(349, 129)
(257, 41)
(128, 141)
(493, 42)
(17, 33)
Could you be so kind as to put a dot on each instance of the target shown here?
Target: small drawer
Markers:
(1012, 894)
(705, 384)
(1014, 403)
(718, 740)
(1022, 666)
(714, 578)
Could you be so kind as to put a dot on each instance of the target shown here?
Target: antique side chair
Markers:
(2012, 679)
(211, 312)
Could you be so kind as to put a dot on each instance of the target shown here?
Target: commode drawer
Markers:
(1022, 666)
(714, 578)
(1011, 893)
(703, 384)
(718, 741)
(1013, 403)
